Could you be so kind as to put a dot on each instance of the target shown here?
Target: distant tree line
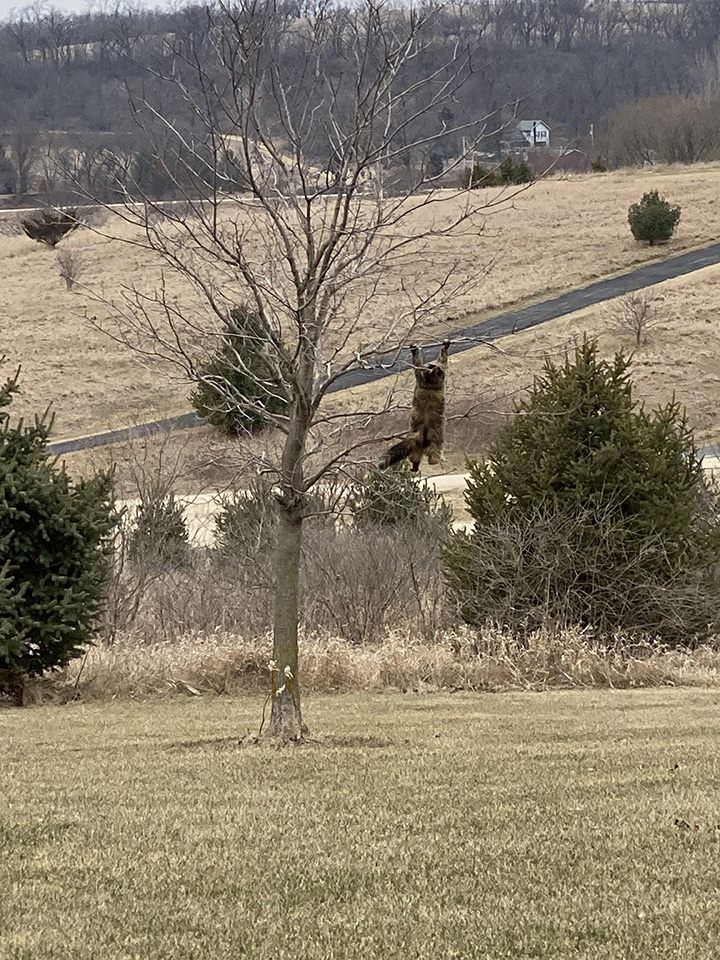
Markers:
(64, 78)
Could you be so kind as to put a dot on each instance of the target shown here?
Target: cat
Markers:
(427, 424)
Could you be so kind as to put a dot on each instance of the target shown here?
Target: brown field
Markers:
(557, 235)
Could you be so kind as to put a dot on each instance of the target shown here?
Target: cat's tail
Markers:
(398, 452)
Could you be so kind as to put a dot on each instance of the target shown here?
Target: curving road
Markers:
(501, 325)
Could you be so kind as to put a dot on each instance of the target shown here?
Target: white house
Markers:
(534, 133)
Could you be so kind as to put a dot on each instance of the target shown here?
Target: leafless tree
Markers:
(70, 266)
(707, 74)
(23, 146)
(287, 160)
(634, 313)
(669, 129)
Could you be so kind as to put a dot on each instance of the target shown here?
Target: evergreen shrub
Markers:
(479, 176)
(247, 522)
(238, 387)
(55, 543)
(653, 219)
(514, 171)
(590, 511)
(159, 533)
(510, 171)
(394, 498)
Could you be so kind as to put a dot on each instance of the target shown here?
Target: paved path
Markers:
(501, 325)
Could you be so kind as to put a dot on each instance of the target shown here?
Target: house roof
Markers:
(529, 125)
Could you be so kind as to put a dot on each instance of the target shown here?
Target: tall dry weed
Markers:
(490, 660)
(358, 584)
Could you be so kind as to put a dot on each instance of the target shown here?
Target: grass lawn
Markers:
(573, 824)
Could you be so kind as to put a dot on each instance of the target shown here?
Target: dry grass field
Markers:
(557, 235)
(196, 663)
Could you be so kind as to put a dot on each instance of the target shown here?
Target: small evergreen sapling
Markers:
(394, 498)
(159, 534)
(238, 388)
(515, 171)
(479, 176)
(510, 171)
(247, 522)
(55, 541)
(653, 219)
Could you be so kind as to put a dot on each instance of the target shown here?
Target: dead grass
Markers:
(491, 660)
(558, 235)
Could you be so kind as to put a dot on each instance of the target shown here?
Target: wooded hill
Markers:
(64, 77)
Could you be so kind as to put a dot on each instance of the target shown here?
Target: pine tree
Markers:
(590, 510)
(512, 171)
(238, 386)
(653, 220)
(55, 540)
(159, 534)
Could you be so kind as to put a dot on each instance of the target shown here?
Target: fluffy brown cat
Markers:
(427, 424)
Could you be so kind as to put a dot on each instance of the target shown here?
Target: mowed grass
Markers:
(573, 824)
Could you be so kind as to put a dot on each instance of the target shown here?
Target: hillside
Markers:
(557, 235)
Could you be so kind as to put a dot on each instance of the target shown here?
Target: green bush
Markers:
(598, 165)
(590, 511)
(510, 171)
(479, 176)
(55, 542)
(514, 171)
(653, 220)
(394, 498)
(159, 533)
(238, 387)
(247, 522)
(435, 165)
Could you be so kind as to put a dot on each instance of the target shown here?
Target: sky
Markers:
(67, 6)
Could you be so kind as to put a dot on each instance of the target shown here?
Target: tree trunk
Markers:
(13, 685)
(286, 717)
(18, 689)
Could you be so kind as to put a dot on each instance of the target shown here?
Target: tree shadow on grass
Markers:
(327, 742)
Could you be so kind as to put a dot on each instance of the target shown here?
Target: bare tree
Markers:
(287, 155)
(70, 266)
(707, 74)
(23, 146)
(660, 129)
(634, 313)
